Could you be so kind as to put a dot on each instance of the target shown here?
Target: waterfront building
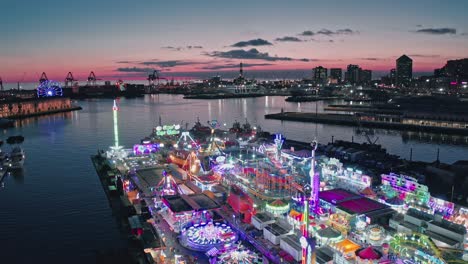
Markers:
(365, 76)
(320, 75)
(352, 74)
(34, 106)
(336, 74)
(454, 74)
(404, 71)
(393, 76)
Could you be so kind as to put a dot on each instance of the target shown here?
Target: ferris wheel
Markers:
(49, 88)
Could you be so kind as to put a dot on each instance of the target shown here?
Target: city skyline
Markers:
(127, 40)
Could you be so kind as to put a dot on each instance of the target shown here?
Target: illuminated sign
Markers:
(441, 206)
(168, 130)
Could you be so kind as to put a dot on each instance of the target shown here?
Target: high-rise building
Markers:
(352, 74)
(336, 74)
(320, 75)
(365, 76)
(456, 70)
(393, 76)
(404, 71)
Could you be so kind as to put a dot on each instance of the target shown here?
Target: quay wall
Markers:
(35, 106)
(351, 120)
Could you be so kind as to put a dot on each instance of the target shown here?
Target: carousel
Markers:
(278, 207)
(239, 255)
(203, 237)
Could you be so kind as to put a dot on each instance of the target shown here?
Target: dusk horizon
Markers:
(123, 40)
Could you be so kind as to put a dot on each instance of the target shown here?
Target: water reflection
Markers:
(17, 176)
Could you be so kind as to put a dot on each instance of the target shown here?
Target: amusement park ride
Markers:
(310, 202)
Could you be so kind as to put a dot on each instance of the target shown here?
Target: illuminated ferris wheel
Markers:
(49, 88)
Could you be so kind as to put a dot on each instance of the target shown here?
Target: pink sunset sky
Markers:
(129, 40)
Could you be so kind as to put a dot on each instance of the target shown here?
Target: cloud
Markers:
(419, 25)
(252, 42)
(288, 39)
(189, 47)
(171, 63)
(307, 33)
(234, 66)
(437, 31)
(423, 56)
(252, 54)
(123, 62)
(326, 32)
(134, 69)
(371, 59)
(172, 48)
(330, 33)
(345, 31)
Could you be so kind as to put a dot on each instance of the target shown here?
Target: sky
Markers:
(128, 39)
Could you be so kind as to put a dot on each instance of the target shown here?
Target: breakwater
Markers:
(353, 120)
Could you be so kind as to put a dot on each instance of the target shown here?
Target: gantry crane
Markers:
(43, 78)
(69, 80)
(154, 77)
(92, 79)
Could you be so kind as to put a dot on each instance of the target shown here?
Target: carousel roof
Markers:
(368, 253)
(278, 203)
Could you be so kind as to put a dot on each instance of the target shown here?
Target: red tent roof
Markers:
(368, 191)
(277, 203)
(368, 253)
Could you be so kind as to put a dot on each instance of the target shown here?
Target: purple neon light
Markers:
(139, 149)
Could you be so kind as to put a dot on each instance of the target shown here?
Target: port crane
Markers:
(69, 80)
(43, 78)
(92, 79)
(154, 77)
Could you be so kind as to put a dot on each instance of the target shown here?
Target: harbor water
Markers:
(55, 211)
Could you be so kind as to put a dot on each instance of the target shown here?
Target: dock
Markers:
(221, 96)
(352, 120)
(135, 253)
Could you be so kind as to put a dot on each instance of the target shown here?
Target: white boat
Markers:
(16, 158)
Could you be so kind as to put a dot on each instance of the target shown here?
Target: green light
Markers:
(116, 128)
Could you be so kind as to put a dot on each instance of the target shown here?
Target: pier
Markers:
(389, 122)
(22, 108)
